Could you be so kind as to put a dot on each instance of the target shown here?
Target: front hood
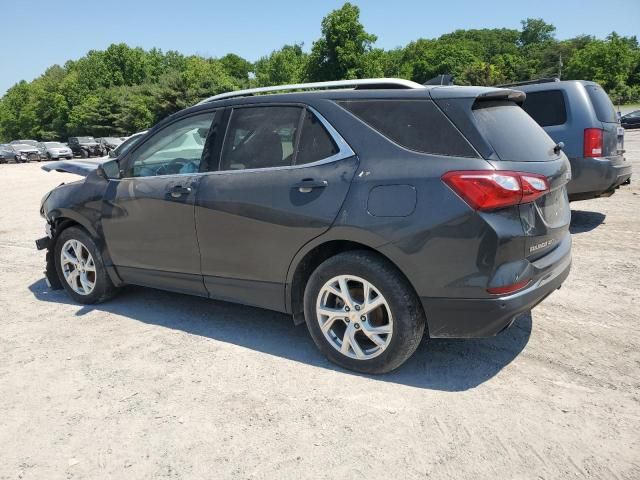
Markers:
(79, 167)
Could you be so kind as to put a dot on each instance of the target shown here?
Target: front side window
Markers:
(546, 108)
(176, 149)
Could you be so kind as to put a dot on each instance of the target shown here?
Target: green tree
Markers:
(237, 67)
(536, 31)
(283, 66)
(339, 53)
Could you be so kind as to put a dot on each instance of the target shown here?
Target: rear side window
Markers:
(513, 134)
(315, 143)
(546, 108)
(605, 111)
(414, 124)
(260, 137)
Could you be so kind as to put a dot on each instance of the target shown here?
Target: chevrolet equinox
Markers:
(376, 211)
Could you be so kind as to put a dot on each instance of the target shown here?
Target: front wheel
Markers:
(362, 313)
(80, 268)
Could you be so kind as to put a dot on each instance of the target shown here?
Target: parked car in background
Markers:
(55, 150)
(26, 152)
(85, 147)
(8, 154)
(580, 115)
(108, 144)
(375, 210)
(126, 144)
(33, 143)
(631, 120)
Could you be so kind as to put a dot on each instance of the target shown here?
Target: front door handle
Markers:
(308, 184)
(179, 190)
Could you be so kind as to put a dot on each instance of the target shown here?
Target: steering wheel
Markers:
(172, 167)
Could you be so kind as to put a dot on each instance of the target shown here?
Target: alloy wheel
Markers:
(354, 317)
(78, 267)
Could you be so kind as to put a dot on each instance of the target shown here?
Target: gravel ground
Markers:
(155, 385)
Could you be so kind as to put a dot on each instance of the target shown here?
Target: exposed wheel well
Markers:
(312, 260)
(63, 223)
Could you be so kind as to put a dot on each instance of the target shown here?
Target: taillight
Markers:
(592, 142)
(489, 190)
(508, 288)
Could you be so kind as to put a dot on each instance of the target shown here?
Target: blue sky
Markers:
(40, 33)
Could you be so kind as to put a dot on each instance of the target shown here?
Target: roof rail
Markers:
(530, 82)
(373, 83)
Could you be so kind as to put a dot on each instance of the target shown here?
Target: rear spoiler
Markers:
(515, 96)
(476, 94)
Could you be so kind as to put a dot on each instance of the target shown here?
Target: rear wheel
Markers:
(362, 313)
(80, 267)
(84, 153)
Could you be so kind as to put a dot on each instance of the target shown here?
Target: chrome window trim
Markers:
(344, 151)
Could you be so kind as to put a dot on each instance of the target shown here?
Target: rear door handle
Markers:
(308, 184)
(179, 190)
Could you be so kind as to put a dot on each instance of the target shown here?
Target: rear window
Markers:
(414, 124)
(513, 134)
(546, 108)
(605, 111)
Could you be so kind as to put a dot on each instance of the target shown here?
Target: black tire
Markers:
(84, 154)
(408, 315)
(104, 288)
(49, 156)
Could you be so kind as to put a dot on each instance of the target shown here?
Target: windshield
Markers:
(112, 140)
(126, 145)
(54, 145)
(86, 140)
(22, 146)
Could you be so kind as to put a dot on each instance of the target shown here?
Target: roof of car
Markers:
(433, 91)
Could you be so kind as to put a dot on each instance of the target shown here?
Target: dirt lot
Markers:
(154, 384)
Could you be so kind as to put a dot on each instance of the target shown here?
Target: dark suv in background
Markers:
(375, 212)
(581, 116)
(85, 147)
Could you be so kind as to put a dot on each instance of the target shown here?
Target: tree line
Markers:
(122, 90)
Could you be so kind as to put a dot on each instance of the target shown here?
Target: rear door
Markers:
(282, 177)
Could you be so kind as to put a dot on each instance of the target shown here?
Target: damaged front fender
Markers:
(78, 167)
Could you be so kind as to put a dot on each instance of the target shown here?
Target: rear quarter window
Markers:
(605, 111)
(414, 124)
(546, 108)
(513, 135)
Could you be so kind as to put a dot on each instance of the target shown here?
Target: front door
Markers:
(148, 215)
(282, 178)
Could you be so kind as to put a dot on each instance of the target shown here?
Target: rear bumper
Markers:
(474, 317)
(595, 177)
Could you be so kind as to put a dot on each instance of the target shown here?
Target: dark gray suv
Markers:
(580, 115)
(375, 212)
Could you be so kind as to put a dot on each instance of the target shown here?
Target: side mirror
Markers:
(109, 169)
